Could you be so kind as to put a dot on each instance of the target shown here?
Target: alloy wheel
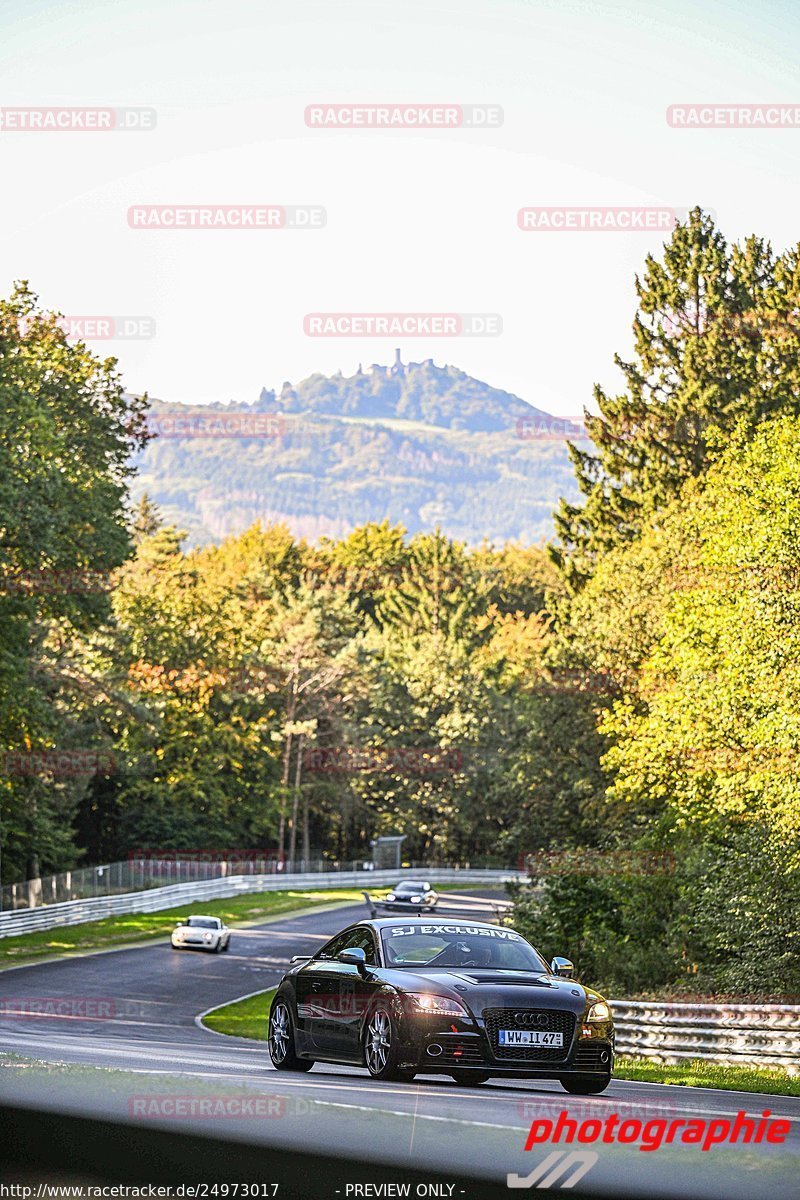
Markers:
(280, 1033)
(378, 1042)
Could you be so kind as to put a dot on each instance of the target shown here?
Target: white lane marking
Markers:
(109, 1022)
(296, 934)
(610, 1102)
(199, 1018)
(36, 1045)
(414, 1122)
(392, 1112)
(414, 1115)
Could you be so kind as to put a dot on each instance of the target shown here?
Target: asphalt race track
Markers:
(152, 995)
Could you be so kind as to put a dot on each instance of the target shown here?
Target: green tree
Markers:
(715, 343)
(67, 432)
(146, 519)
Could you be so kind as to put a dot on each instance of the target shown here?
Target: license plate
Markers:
(530, 1037)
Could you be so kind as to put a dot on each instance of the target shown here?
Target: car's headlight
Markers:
(416, 899)
(391, 896)
(599, 1012)
(437, 1006)
(208, 937)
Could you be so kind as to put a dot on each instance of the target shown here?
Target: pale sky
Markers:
(416, 221)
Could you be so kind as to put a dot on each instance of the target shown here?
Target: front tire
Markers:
(586, 1085)
(382, 1048)
(281, 1040)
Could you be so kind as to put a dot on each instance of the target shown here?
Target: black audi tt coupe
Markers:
(416, 995)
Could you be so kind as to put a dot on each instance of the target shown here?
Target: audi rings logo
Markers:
(531, 1018)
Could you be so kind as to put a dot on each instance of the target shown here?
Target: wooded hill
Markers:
(415, 443)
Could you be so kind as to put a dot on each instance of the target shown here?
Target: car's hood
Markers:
(481, 988)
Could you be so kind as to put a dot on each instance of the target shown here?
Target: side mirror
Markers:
(563, 967)
(354, 958)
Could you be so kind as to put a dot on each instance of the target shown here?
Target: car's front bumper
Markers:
(467, 1046)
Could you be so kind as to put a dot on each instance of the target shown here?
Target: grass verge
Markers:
(243, 1018)
(698, 1073)
(137, 927)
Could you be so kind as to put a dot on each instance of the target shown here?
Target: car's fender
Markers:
(387, 996)
(285, 991)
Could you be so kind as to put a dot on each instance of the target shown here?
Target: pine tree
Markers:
(706, 329)
(439, 592)
(146, 519)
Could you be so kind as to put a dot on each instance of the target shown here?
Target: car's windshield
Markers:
(409, 886)
(203, 923)
(435, 946)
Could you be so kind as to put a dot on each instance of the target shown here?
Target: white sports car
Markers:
(201, 933)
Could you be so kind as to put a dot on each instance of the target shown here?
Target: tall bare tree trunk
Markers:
(291, 705)
(306, 842)
(295, 801)
(287, 753)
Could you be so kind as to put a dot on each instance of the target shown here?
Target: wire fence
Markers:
(77, 912)
(139, 874)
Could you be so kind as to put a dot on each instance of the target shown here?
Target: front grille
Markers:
(557, 1021)
(588, 1057)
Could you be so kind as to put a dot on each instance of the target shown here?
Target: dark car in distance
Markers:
(415, 995)
(412, 894)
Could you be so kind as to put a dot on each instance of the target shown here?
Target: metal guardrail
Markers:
(765, 1035)
(163, 868)
(78, 912)
(459, 907)
(757, 1035)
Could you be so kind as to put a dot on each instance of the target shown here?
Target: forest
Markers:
(618, 707)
